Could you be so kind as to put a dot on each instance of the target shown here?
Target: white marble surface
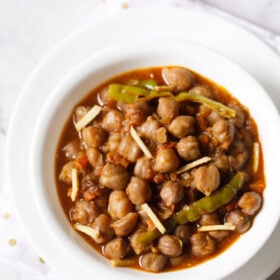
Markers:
(264, 13)
(30, 28)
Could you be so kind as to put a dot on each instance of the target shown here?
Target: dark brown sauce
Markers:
(69, 133)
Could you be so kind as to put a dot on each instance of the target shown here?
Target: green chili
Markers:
(141, 92)
(220, 108)
(126, 93)
(207, 204)
(155, 94)
(149, 84)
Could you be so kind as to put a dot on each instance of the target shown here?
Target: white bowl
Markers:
(128, 56)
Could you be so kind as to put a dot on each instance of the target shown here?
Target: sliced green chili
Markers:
(149, 84)
(129, 94)
(207, 204)
(220, 108)
(126, 93)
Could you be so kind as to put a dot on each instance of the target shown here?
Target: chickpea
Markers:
(136, 112)
(213, 117)
(180, 78)
(94, 157)
(202, 244)
(129, 149)
(167, 109)
(213, 219)
(171, 192)
(125, 225)
(166, 160)
(119, 204)
(117, 248)
(148, 128)
(114, 177)
(94, 136)
(112, 121)
(84, 212)
(250, 203)
(183, 232)
(240, 117)
(102, 226)
(138, 191)
(66, 172)
(153, 262)
(209, 219)
(240, 160)
(239, 152)
(202, 90)
(188, 148)
(170, 245)
(182, 126)
(160, 135)
(239, 219)
(222, 162)
(113, 142)
(207, 178)
(143, 168)
(223, 131)
(72, 149)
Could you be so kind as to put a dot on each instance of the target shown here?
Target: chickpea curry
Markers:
(160, 169)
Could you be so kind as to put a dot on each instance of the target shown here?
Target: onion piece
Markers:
(256, 156)
(226, 226)
(140, 143)
(154, 218)
(193, 164)
(75, 184)
(88, 117)
(93, 233)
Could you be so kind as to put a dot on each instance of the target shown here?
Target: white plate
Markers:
(199, 27)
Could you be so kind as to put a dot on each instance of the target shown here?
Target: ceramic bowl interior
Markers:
(128, 56)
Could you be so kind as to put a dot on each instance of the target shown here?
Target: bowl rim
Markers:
(74, 77)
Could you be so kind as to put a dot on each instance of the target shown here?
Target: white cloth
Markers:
(20, 261)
